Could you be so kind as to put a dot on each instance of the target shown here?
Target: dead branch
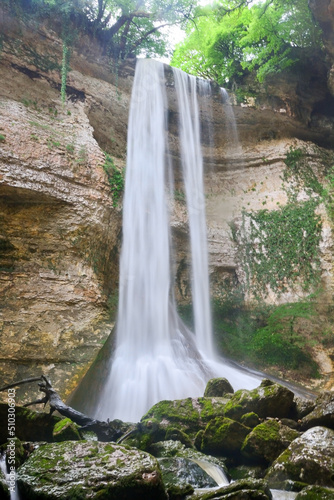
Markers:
(105, 431)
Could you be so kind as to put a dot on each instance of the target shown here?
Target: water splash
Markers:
(156, 356)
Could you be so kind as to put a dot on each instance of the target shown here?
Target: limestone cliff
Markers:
(60, 231)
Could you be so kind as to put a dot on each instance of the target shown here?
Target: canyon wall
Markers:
(60, 228)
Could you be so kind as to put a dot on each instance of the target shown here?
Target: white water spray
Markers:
(156, 356)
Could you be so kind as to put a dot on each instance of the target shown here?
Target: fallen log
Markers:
(105, 431)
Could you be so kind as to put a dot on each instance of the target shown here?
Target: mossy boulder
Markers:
(29, 425)
(322, 414)
(66, 430)
(267, 441)
(224, 437)
(267, 400)
(244, 489)
(177, 435)
(309, 458)
(316, 493)
(250, 419)
(90, 469)
(185, 415)
(218, 387)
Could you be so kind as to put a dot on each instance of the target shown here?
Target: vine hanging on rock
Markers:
(279, 249)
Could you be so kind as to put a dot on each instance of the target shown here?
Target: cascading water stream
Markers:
(192, 161)
(156, 357)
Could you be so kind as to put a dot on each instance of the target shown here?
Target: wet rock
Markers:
(250, 419)
(267, 441)
(267, 400)
(66, 430)
(290, 423)
(167, 449)
(316, 493)
(224, 437)
(183, 472)
(309, 458)
(19, 453)
(30, 425)
(302, 407)
(245, 489)
(218, 387)
(322, 414)
(89, 469)
(177, 435)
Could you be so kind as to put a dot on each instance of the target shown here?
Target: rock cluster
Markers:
(237, 446)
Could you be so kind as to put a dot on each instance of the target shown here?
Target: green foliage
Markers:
(64, 71)
(264, 335)
(280, 248)
(301, 176)
(125, 28)
(278, 343)
(232, 37)
(2, 138)
(115, 179)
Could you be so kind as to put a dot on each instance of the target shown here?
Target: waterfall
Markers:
(156, 357)
(192, 163)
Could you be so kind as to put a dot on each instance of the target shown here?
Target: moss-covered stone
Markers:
(309, 458)
(267, 441)
(185, 415)
(244, 489)
(166, 449)
(66, 430)
(224, 437)
(250, 419)
(246, 472)
(88, 469)
(267, 400)
(177, 435)
(316, 493)
(218, 387)
(182, 472)
(29, 425)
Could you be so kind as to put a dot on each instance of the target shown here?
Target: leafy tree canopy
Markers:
(126, 28)
(232, 37)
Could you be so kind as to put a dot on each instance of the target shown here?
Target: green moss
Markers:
(66, 430)
(115, 178)
(177, 435)
(177, 492)
(268, 431)
(174, 411)
(250, 419)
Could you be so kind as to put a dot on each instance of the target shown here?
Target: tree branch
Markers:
(105, 431)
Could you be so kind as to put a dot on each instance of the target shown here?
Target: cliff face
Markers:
(60, 231)
(323, 11)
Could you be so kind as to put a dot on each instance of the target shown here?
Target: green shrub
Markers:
(115, 178)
